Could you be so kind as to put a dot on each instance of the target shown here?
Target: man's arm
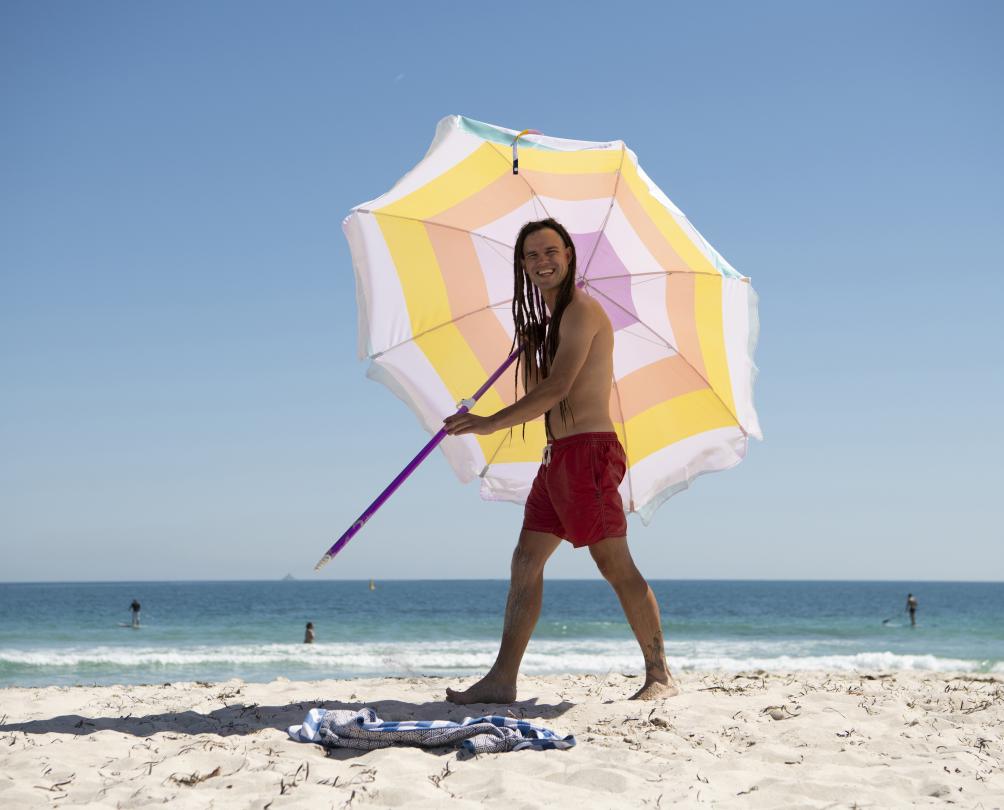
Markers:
(579, 326)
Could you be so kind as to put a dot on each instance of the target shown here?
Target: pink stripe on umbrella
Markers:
(597, 260)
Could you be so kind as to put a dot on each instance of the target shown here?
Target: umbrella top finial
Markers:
(515, 141)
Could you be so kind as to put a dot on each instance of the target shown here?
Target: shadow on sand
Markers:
(249, 718)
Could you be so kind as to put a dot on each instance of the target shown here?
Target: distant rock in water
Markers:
(288, 577)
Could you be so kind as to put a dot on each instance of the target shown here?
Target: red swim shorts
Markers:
(574, 495)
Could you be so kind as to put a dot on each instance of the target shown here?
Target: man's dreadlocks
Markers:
(538, 333)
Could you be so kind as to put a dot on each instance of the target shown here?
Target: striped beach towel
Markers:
(362, 729)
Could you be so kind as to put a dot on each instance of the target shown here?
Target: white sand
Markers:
(754, 740)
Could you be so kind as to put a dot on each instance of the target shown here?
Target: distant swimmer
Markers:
(911, 606)
(308, 638)
(134, 607)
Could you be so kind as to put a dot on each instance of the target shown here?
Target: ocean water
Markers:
(73, 633)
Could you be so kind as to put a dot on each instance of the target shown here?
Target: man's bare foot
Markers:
(487, 690)
(655, 690)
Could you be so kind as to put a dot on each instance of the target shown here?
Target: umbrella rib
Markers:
(424, 332)
(374, 213)
(534, 196)
(606, 219)
(669, 345)
(488, 462)
(492, 243)
(658, 273)
(494, 247)
(659, 338)
(491, 460)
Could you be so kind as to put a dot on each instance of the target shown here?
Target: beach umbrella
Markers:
(433, 261)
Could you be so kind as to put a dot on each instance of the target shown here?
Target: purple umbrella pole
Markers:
(465, 406)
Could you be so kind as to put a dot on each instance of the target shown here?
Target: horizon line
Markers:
(489, 579)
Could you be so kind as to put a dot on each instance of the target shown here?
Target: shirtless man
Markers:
(574, 496)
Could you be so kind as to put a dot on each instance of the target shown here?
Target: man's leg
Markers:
(642, 611)
(526, 594)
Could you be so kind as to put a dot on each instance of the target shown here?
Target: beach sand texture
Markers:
(753, 740)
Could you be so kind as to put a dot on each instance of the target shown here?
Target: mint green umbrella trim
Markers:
(489, 133)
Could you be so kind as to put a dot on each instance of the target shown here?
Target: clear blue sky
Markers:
(179, 391)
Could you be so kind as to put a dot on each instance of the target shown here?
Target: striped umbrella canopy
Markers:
(433, 260)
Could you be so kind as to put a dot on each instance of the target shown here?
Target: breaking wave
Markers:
(257, 662)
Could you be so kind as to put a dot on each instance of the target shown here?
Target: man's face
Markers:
(545, 259)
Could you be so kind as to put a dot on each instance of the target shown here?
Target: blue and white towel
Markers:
(346, 728)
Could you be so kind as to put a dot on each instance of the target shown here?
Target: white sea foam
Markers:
(443, 657)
